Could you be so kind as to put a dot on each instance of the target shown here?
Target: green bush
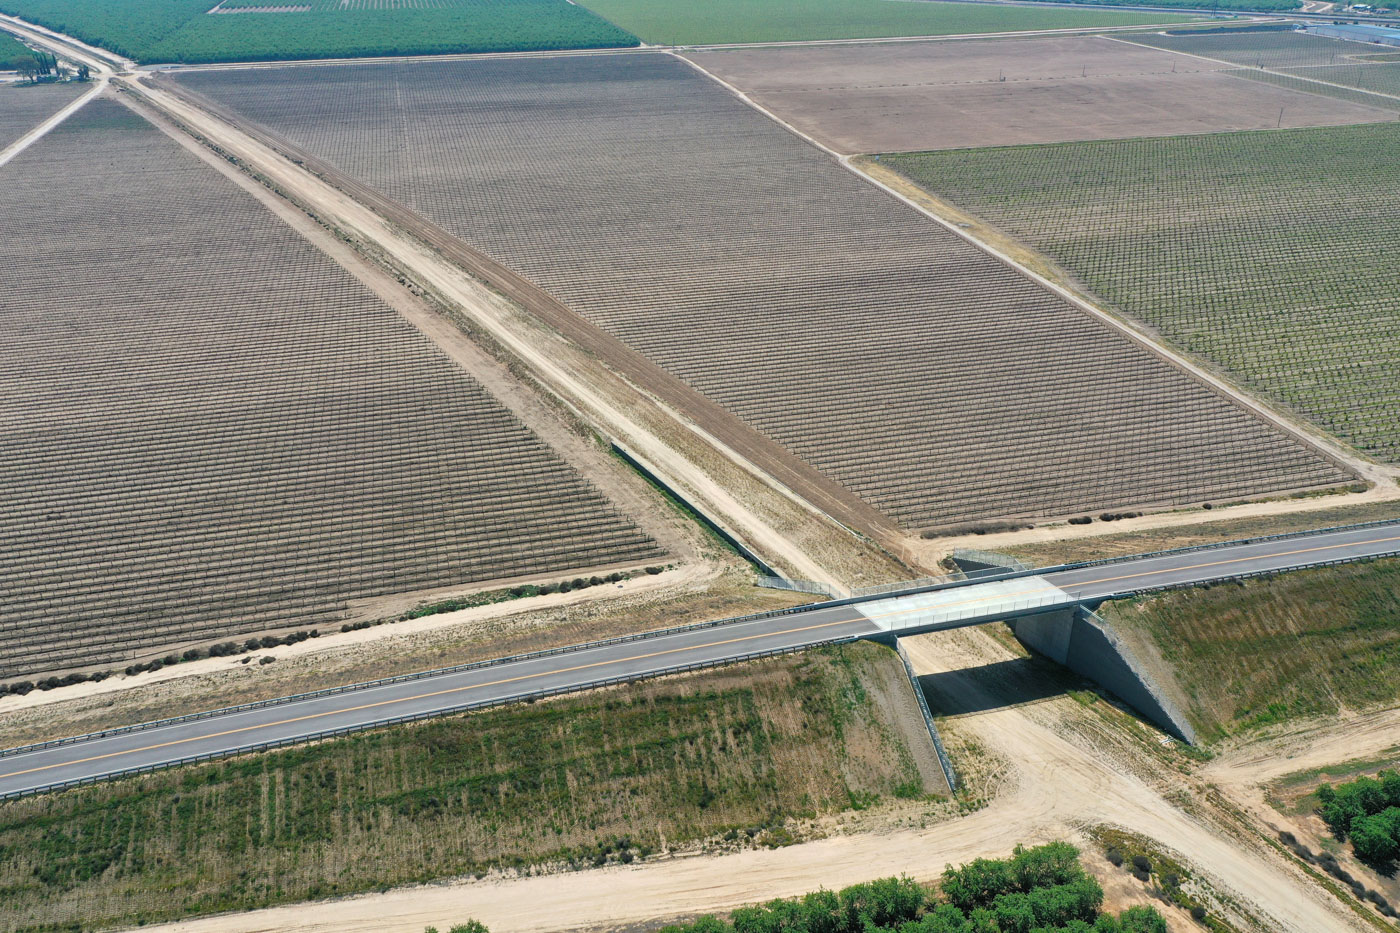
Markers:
(1366, 810)
(1040, 890)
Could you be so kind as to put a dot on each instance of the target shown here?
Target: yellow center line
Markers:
(655, 654)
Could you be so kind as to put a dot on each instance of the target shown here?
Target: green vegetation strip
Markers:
(685, 22)
(184, 30)
(11, 50)
(610, 776)
(1264, 651)
(1040, 890)
(1266, 254)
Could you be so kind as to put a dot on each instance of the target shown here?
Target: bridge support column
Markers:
(1082, 642)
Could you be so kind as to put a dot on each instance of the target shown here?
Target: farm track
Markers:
(21, 108)
(211, 430)
(760, 451)
(762, 276)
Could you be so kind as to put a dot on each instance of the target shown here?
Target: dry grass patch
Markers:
(1246, 655)
(609, 776)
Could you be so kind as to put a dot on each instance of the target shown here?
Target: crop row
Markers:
(179, 30)
(1264, 253)
(24, 107)
(207, 429)
(924, 375)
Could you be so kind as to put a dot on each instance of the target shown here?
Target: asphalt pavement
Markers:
(222, 732)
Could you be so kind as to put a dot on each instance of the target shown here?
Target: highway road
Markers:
(221, 732)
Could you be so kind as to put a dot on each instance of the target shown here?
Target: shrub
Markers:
(654, 570)
(1082, 520)
(1142, 863)
(1198, 913)
(1115, 858)
(1376, 838)
(977, 884)
(1142, 920)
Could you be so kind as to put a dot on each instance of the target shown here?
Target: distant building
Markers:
(1384, 35)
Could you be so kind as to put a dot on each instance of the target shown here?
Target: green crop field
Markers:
(1299, 81)
(185, 30)
(1264, 651)
(606, 777)
(1380, 77)
(686, 22)
(1269, 255)
(10, 49)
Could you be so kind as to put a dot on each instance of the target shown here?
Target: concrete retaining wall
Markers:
(1082, 642)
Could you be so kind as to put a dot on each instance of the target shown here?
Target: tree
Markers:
(1142, 920)
(1376, 838)
(26, 65)
(84, 72)
(1051, 864)
(977, 883)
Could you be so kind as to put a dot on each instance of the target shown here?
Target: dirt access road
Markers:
(1058, 771)
(697, 453)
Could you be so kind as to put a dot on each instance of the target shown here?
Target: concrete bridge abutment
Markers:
(1078, 639)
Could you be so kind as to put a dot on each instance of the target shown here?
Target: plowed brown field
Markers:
(210, 429)
(934, 381)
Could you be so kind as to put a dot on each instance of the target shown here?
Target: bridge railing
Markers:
(797, 586)
(932, 618)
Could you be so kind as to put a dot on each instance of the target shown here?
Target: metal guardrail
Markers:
(1258, 574)
(419, 717)
(1151, 555)
(797, 586)
(696, 626)
(944, 762)
(659, 633)
(404, 678)
(991, 559)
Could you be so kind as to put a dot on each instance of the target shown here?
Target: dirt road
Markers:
(653, 428)
(1054, 784)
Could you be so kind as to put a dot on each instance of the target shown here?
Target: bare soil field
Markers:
(23, 108)
(948, 95)
(831, 317)
(230, 434)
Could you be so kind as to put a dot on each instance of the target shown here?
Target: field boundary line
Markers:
(43, 129)
(1128, 328)
(1236, 66)
(739, 442)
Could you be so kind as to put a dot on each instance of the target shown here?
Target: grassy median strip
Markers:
(610, 776)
